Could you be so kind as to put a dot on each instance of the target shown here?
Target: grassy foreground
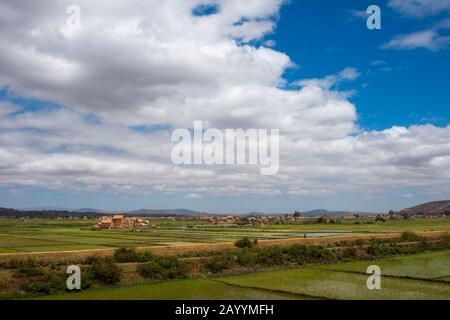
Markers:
(190, 289)
(435, 265)
(333, 281)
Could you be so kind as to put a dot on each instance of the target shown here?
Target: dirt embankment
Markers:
(79, 255)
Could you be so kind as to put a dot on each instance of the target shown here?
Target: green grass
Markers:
(339, 285)
(302, 283)
(365, 225)
(426, 266)
(57, 235)
(192, 289)
(447, 279)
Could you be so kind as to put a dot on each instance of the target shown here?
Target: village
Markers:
(120, 221)
(255, 220)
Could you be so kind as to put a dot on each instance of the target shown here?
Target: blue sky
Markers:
(409, 87)
(74, 131)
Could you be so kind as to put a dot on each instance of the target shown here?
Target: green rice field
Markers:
(435, 265)
(334, 281)
(42, 235)
(191, 289)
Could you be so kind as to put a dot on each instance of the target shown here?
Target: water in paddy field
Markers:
(320, 234)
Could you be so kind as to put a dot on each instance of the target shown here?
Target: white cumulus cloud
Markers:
(133, 73)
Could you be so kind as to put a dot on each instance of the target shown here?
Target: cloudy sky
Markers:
(86, 115)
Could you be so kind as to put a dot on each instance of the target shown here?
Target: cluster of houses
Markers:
(120, 221)
(255, 220)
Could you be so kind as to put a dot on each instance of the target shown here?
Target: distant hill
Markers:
(166, 212)
(254, 214)
(317, 212)
(61, 212)
(44, 209)
(91, 210)
(7, 211)
(324, 212)
(429, 208)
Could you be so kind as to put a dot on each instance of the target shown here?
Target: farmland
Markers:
(333, 281)
(50, 235)
(194, 259)
(434, 265)
(190, 289)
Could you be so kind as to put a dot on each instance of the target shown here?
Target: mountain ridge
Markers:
(429, 208)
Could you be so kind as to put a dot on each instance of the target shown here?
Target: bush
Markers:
(36, 287)
(246, 257)
(349, 252)
(296, 253)
(327, 255)
(51, 283)
(105, 271)
(245, 243)
(91, 260)
(11, 264)
(27, 268)
(219, 263)
(163, 268)
(270, 256)
(313, 253)
(130, 255)
(409, 236)
(378, 250)
(445, 239)
(375, 250)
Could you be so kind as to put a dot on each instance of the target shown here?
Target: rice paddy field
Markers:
(422, 276)
(51, 235)
(415, 276)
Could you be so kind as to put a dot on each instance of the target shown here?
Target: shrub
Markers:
(378, 250)
(91, 260)
(51, 283)
(246, 257)
(327, 255)
(375, 250)
(36, 287)
(54, 266)
(163, 268)
(349, 252)
(55, 281)
(270, 256)
(130, 255)
(27, 268)
(445, 239)
(296, 253)
(219, 263)
(245, 243)
(408, 236)
(105, 271)
(11, 264)
(313, 253)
